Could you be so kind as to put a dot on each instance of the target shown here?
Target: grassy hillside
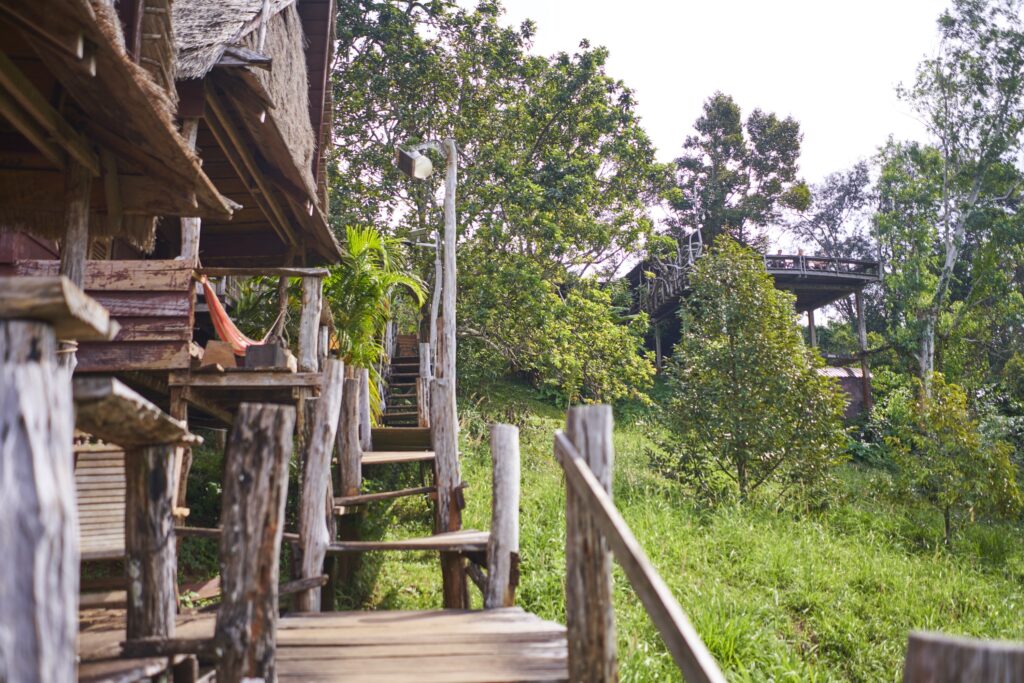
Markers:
(820, 596)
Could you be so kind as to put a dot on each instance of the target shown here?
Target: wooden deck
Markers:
(371, 647)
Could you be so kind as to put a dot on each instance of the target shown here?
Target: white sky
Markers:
(831, 64)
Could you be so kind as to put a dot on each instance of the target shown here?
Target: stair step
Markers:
(401, 439)
(392, 457)
(465, 541)
(364, 498)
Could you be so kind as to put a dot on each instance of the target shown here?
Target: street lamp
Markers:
(415, 164)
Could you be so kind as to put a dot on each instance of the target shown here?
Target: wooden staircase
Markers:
(403, 407)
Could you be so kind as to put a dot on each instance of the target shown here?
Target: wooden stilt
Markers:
(151, 553)
(862, 342)
(38, 527)
(503, 545)
(75, 245)
(255, 489)
(449, 511)
(316, 482)
(812, 329)
(365, 426)
(350, 452)
(190, 227)
(309, 323)
(590, 616)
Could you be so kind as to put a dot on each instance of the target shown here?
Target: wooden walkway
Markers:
(453, 646)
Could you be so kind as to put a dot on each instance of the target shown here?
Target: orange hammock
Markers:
(225, 327)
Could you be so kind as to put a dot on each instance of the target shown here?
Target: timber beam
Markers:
(242, 379)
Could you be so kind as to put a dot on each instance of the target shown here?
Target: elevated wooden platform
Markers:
(367, 647)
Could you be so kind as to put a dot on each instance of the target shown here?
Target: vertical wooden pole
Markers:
(423, 387)
(937, 658)
(151, 557)
(314, 535)
(445, 435)
(75, 245)
(590, 616)
(862, 343)
(323, 346)
(178, 409)
(190, 227)
(503, 545)
(812, 329)
(350, 452)
(448, 292)
(255, 489)
(365, 426)
(309, 323)
(38, 526)
(657, 347)
(282, 306)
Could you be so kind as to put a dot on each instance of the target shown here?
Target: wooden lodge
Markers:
(152, 153)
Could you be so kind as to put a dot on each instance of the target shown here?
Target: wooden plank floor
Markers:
(452, 646)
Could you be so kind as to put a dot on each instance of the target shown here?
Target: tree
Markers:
(748, 399)
(556, 173)
(735, 176)
(943, 457)
(971, 99)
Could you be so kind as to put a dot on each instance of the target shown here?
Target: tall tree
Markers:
(734, 175)
(971, 98)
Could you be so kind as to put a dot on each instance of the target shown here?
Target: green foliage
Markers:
(555, 177)
(749, 402)
(361, 292)
(735, 175)
(943, 456)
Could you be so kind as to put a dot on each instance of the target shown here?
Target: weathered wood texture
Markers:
(190, 227)
(151, 552)
(39, 587)
(316, 482)
(255, 489)
(75, 245)
(862, 345)
(451, 233)
(100, 490)
(590, 615)
(503, 545)
(365, 425)
(937, 658)
(350, 452)
(108, 410)
(55, 300)
(449, 512)
(309, 323)
(592, 500)
(423, 387)
(464, 541)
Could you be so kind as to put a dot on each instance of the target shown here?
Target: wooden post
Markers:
(252, 521)
(38, 526)
(151, 557)
(812, 330)
(365, 426)
(323, 346)
(937, 658)
(350, 452)
(503, 546)
(190, 227)
(657, 347)
(449, 512)
(423, 387)
(309, 323)
(282, 306)
(448, 291)
(314, 535)
(590, 616)
(75, 245)
(178, 409)
(862, 342)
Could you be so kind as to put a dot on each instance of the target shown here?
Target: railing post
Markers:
(937, 658)
(423, 387)
(503, 545)
(151, 556)
(309, 322)
(590, 617)
(350, 451)
(449, 511)
(255, 489)
(38, 527)
(314, 535)
(365, 426)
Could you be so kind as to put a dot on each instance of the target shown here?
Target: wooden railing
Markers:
(593, 527)
(820, 265)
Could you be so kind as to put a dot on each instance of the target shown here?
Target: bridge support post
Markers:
(812, 329)
(862, 340)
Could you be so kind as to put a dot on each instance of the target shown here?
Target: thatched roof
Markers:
(204, 30)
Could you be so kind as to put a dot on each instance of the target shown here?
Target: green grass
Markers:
(822, 596)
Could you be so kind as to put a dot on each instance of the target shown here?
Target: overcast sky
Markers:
(831, 64)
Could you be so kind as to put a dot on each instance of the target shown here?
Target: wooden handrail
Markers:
(257, 272)
(690, 653)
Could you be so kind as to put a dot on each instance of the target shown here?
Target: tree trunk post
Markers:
(449, 511)
(74, 248)
(862, 342)
(314, 534)
(503, 545)
(590, 616)
(39, 526)
(282, 306)
(190, 227)
(350, 452)
(423, 387)
(812, 330)
(937, 658)
(252, 521)
(448, 292)
(657, 347)
(151, 557)
(365, 425)
(309, 323)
